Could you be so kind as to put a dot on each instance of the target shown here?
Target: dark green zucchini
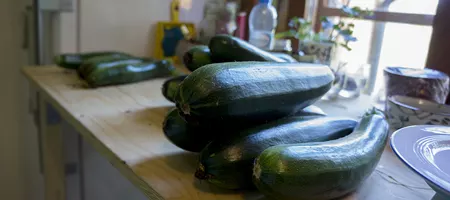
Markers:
(183, 135)
(170, 87)
(226, 48)
(130, 73)
(251, 91)
(107, 61)
(194, 138)
(228, 162)
(74, 60)
(196, 57)
(322, 170)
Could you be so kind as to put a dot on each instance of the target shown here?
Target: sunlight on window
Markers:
(402, 45)
(361, 48)
(400, 6)
(414, 6)
(405, 44)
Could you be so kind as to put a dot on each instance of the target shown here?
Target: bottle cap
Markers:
(265, 1)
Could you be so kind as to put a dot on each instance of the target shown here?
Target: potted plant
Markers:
(322, 44)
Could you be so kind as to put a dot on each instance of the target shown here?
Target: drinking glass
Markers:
(354, 80)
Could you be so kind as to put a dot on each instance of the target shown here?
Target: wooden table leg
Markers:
(52, 151)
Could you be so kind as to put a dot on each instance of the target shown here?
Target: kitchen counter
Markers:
(123, 123)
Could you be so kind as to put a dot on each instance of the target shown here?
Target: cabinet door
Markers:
(103, 181)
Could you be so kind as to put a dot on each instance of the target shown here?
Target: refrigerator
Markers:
(42, 22)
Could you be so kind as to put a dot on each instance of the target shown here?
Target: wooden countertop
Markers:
(124, 123)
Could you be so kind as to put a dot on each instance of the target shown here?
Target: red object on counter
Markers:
(241, 22)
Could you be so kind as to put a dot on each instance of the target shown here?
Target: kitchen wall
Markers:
(119, 25)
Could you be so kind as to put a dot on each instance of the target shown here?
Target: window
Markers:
(397, 34)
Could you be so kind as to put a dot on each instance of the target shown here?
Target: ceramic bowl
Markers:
(405, 111)
(426, 150)
(425, 83)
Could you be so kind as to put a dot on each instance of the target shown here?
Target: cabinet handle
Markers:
(26, 30)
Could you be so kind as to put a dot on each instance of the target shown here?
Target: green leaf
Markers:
(345, 46)
(366, 12)
(356, 12)
(347, 10)
(299, 28)
(294, 22)
(326, 24)
(297, 22)
(346, 32)
(336, 27)
(349, 38)
(290, 33)
(316, 37)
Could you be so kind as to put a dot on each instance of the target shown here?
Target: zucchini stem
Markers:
(185, 109)
(201, 174)
(257, 170)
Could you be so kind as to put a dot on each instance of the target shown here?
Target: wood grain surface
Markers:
(123, 123)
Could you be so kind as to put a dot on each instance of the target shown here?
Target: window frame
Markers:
(322, 10)
(383, 16)
(440, 42)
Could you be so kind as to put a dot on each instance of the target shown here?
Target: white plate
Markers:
(426, 150)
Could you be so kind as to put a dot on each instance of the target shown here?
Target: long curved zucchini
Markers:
(228, 162)
(322, 170)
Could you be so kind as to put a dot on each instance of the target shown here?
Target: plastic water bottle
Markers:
(262, 22)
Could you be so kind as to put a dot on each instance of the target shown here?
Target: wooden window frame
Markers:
(440, 41)
(383, 16)
(322, 10)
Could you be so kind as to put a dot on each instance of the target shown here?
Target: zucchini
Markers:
(226, 48)
(228, 162)
(183, 135)
(251, 91)
(170, 87)
(74, 60)
(194, 138)
(322, 170)
(107, 61)
(130, 73)
(196, 57)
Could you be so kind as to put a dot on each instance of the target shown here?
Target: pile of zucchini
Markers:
(251, 118)
(114, 68)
